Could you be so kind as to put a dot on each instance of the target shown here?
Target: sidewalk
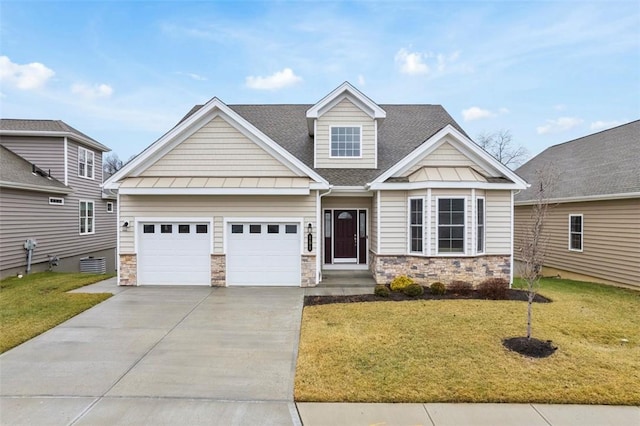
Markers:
(355, 414)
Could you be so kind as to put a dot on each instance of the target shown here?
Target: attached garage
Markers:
(174, 253)
(263, 253)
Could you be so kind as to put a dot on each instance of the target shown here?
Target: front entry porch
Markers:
(344, 278)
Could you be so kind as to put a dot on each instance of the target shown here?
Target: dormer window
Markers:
(85, 162)
(345, 141)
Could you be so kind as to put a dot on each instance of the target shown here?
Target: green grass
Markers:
(451, 350)
(37, 302)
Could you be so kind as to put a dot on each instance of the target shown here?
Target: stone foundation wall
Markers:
(308, 268)
(426, 270)
(218, 270)
(128, 269)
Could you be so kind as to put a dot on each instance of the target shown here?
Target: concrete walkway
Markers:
(215, 356)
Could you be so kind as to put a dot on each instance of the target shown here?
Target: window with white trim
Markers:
(416, 223)
(109, 207)
(480, 215)
(56, 201)
(86, 217)
(345, 141)
(85, 163)
(575, 232)
(451, 221)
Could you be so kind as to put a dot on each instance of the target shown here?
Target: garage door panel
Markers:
(263, 258)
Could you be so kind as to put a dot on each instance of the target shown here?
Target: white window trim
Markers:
(409, 225)
(93, 210)
(93, 168)
(359, 126)
(464, 234)
(484, 225)
(56, 201)
(109, 207)
(581, 233)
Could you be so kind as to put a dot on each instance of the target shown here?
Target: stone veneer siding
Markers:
(426, 270)
(308, 268)
(128, 269)
(218, 270)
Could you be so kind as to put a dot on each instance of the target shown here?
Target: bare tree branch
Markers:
(502, 147)
(111, 163)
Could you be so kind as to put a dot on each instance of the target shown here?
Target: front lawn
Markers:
(451, 350)
(37, 302)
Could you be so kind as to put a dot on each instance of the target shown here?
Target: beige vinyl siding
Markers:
(215, 207)
(393, 222)
(345, 113)
(347, 203)
(45, 152)
(373, 229)
(498, 222)
(611, 239)
(446, 155)
(25, 215)
(218, 149)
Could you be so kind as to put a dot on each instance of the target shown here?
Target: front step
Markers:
(336, 278)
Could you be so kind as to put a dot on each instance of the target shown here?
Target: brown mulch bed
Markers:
(533, 348)
(512, 294)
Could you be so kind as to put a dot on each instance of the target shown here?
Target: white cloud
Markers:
(559, 125)
(92, 92)
(412, 63)
(477, 113)
(601, 125)
(361, 81)
(193, 76)
(24, 77)
(280, 79)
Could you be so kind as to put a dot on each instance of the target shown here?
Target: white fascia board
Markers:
(606, 197)
(405, 186)
(356, 97)
(214, 191)
(466, 145)
(185, 129)
(361, 191)
(35, 188)
(319, 185)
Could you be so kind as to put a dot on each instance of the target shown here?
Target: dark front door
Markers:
(345, 235)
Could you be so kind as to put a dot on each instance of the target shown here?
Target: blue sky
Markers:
(125, 72)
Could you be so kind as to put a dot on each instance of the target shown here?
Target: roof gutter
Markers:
(35, 188)
(84, 140)
(603, 197)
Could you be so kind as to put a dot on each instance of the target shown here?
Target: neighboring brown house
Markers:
(50, 192)
(282, 194)
(593, 224)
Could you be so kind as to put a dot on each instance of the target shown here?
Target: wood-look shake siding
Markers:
(393, 222)
(26, 214)
(345, 113)
(216, 207)
(611, 239)
(45, 152)
(498, 222)
(218, 149)
(446, 155)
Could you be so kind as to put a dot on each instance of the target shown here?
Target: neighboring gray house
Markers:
(281, 194)
(50, 191)
(593, 223)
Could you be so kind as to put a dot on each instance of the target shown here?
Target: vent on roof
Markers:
(56, 201)
(37, 171)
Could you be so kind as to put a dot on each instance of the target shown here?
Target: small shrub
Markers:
(399, 283)
(494, 288)
(437, 288)
(413, 290)
(460, 287)
(381, 290)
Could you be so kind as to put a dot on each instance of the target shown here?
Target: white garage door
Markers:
(174, 253)
(263, 254)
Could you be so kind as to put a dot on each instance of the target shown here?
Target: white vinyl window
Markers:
(451, 229)
(480, 217)
(575, 232)
(109, 207)
(345, 141)
(86, 217)
(86, 163)
(416, 223)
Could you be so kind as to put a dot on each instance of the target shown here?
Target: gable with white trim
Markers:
(218, 149)
(446, 155)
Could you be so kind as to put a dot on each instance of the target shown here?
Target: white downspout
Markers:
(66, 162)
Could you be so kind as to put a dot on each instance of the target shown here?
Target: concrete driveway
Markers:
(161, 355)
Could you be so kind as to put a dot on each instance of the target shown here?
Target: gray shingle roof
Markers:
(44, 126)
(600, 164)
(404, 129)
(15, 170)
